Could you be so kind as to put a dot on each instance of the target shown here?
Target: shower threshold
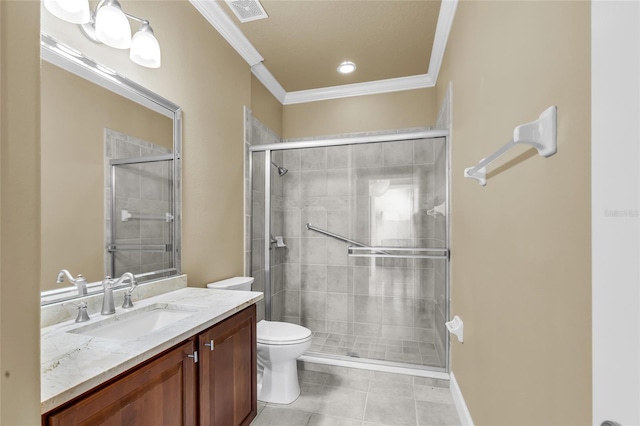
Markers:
(400, 352)
(375, 365)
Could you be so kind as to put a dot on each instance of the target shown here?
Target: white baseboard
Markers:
(458, 400)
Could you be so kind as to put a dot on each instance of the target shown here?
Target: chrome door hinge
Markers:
(210, 345)
(194, 356)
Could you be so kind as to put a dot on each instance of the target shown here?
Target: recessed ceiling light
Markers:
(347, 67)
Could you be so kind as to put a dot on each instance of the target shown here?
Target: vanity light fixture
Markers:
(74, 11)
(347, 67)
(109, 25)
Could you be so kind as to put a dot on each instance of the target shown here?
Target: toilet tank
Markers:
(235, 283)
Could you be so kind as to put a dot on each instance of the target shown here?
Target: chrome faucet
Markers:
(79, 282)
(108, 307)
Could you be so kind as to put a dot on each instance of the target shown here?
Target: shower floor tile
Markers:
(403, 351)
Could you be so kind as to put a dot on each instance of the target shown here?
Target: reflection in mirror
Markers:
(138, 206)
(110, 175)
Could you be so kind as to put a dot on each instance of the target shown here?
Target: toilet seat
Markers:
(281, 333)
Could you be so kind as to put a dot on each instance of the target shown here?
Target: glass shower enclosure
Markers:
(349, 238)
(140, 217)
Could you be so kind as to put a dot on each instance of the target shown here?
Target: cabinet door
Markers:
(228, 388)
(161, 392)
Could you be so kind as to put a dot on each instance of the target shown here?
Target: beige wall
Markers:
(19, 213)
(412, 108)
(75, 113)
(265, 107)
(212, 83)
(201, 73)
(521, 267)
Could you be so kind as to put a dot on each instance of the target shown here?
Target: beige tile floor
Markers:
(337, 396)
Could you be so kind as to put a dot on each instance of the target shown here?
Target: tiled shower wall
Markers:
(315, 283)
(140, 189)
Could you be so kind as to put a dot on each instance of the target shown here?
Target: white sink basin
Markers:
(135, 324)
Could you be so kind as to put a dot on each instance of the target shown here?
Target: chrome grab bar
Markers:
(387, 252)
(336, 236)
(382, 251)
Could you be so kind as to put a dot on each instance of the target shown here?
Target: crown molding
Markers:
(213, 13)
(443, 28)
(269, 81)
(232, 34)
(359, 89)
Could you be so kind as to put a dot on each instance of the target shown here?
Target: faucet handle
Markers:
(127, 304)
(83, 316)
(134, 284)
(127, 294)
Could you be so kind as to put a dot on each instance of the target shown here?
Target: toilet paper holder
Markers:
(456, 326)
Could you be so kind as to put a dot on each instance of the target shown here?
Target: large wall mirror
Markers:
(110, 175)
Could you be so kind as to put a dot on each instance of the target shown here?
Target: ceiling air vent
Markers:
(247, 10)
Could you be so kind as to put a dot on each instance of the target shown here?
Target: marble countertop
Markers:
(73, 363)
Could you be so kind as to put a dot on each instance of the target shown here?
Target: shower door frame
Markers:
(381, 365)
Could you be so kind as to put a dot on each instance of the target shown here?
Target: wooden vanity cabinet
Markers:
(227, 371)
(160, 392)
(173, 389)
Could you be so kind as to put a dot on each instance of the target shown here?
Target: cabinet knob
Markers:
(210, 344)
(194, 356)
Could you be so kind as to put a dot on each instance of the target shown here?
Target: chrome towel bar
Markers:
(159, 248)
(387, 252)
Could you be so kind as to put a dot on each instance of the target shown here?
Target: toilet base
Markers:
(279, 384)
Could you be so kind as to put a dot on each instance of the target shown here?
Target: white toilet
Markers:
(279, 346)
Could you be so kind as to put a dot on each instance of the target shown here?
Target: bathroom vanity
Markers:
(179, 355)
(197, 368)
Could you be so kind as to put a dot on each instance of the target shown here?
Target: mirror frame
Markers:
(75, 62)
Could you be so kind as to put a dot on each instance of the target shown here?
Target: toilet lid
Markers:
(281, 333)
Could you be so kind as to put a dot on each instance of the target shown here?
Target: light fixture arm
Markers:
(135, 18)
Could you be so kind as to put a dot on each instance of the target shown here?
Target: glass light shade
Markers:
(112, 26)
(145, 49)
(74, 11)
